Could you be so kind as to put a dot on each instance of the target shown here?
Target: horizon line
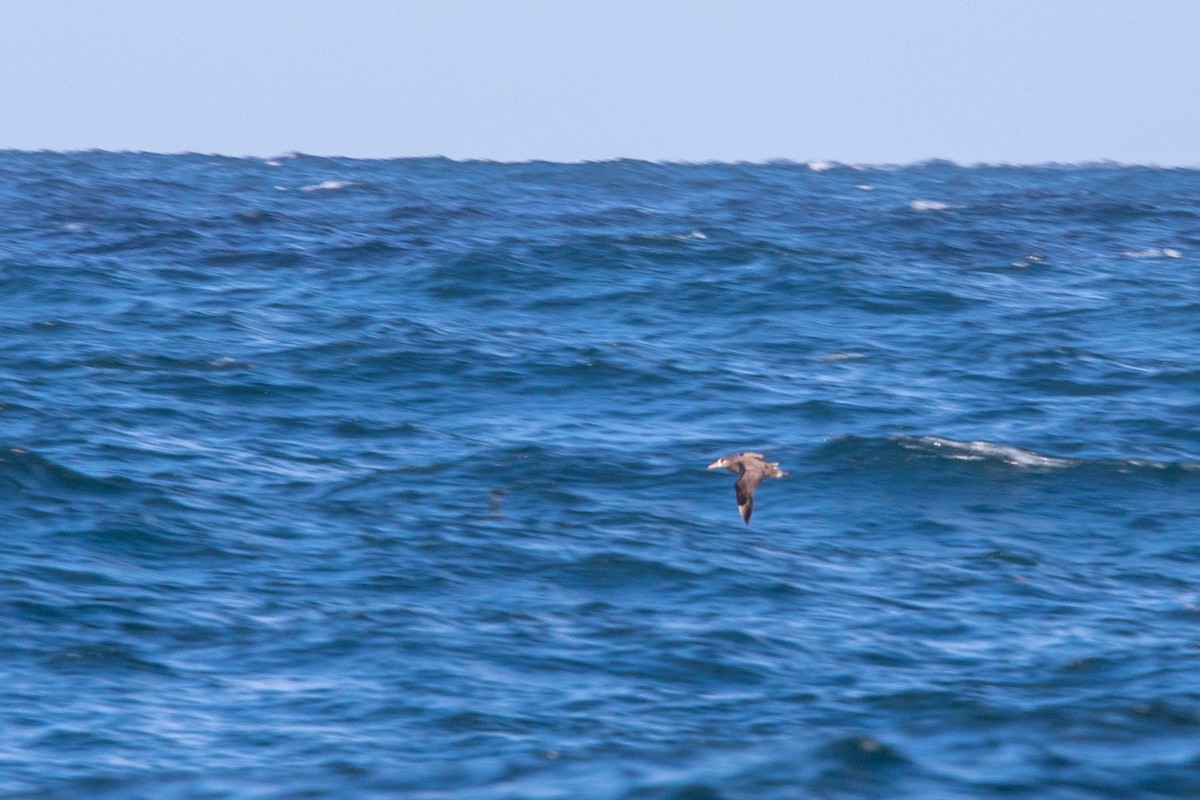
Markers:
(814, 164)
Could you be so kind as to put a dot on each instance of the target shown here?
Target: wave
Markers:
(929, 205)
(1152, 252)
(903, 450)
(985, 451)
(325, 186)
(24, 471)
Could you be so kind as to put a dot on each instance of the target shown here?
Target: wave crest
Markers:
(23, 471)
(897, 450)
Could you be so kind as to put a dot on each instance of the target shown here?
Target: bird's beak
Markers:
(715, 465)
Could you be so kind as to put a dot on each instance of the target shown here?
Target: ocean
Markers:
(335, 478)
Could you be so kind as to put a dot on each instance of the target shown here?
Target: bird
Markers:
(752, 468)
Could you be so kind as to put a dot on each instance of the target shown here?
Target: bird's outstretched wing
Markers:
(744, 489)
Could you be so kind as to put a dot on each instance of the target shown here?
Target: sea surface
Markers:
(332, 478)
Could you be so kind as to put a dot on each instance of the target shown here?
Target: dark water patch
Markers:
(257, 259)
(366, 250)
(23, 471)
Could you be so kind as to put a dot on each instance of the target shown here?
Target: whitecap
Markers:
(225, 362)
(1032, 258)
(326, 186)
(821, 166)
(1152, 252)
(866, 187)
(928, 205)
(981, 450)
(694, 236)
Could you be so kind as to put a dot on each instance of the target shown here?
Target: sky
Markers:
(858, 81)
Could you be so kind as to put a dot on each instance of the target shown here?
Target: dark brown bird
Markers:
(752, 468)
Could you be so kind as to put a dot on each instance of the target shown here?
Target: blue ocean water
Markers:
(329, 478)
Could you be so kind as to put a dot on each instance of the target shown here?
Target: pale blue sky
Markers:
(846, 80)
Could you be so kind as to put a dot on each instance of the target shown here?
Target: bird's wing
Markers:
(744, 489)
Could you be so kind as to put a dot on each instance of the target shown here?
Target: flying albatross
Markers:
(752, 468)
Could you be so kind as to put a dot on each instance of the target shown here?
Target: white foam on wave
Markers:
(1032, 258)
(928, 205)
(866, 187)
(1186, 466)
(981, 451)
(694, 236)
(821, 166)
(1153, 252)
(326, 186)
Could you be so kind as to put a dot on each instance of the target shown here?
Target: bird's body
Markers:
(751, 468)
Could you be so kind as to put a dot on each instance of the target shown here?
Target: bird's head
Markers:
(720, 463)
